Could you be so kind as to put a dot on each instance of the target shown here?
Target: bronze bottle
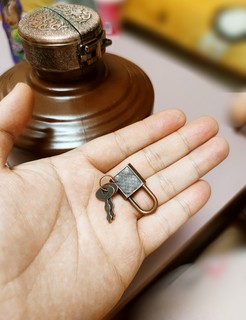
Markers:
(80, 91)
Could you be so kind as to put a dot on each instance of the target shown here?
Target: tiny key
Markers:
(105, 193)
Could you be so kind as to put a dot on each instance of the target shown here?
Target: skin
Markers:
(59, 256)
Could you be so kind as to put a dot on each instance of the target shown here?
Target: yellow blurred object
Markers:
(29, 5)
(214, 29)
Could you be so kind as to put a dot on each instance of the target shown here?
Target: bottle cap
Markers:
(62, 38)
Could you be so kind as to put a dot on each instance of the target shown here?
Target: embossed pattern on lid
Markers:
(61, 23)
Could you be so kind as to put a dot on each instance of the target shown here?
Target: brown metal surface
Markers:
(116, 93)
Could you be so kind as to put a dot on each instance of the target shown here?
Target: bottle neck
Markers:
(85, 74)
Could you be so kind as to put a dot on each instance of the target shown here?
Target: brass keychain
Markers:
(128, 181)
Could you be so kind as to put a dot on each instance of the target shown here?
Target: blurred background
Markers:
(208, 34)
(214, 31)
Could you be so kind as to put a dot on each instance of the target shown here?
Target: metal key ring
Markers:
(100, 181)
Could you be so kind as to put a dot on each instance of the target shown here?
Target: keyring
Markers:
(102, 184)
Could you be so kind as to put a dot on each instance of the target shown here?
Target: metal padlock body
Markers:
(129, 181)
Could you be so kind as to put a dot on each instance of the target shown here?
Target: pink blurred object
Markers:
(110, 13)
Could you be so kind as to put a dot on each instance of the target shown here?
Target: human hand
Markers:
(59, 257)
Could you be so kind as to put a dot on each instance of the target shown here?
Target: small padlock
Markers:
(129, 181)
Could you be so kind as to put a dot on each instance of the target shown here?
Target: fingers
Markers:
(15, 111)
(107, 151)
(156, 228)
(169, 182)
(179, 191)
(177, 161)
(163, 153)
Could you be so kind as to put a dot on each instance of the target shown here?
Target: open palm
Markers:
(59, 256)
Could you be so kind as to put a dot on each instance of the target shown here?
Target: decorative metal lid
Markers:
(62, 37)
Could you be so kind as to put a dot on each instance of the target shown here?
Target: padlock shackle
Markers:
(153, 198)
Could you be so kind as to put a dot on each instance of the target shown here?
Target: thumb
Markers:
(15, 111)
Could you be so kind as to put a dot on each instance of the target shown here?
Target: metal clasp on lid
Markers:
(128, 182)
(91, 51)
